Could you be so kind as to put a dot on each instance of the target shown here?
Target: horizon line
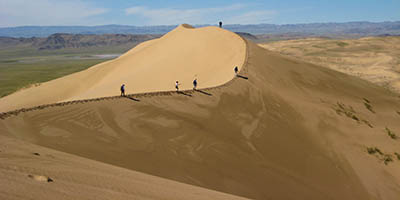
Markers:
(376, 22)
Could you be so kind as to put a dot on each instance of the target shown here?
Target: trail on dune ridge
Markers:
(4, 115)
(208, 54)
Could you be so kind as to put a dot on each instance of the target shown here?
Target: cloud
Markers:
(253, 17)
(232, 13)
(47, 12)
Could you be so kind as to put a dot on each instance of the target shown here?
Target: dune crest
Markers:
(208, 54)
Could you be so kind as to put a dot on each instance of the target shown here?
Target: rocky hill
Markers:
(59, 41)
(63, 40)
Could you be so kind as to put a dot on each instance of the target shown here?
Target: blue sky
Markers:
(163, 12)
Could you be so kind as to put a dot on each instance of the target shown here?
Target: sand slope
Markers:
(186, 53)
(31, 172)
(376, 59)
(292, 130)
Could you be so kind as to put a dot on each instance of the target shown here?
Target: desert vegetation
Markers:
(391, 134)
(367, 105)
(384, 157)
(348, 111)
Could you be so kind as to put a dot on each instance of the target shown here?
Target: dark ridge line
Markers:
(5, 115)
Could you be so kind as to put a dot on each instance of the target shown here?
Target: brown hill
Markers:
(283, 129)
(60, 41)
(64, 40)
(208, 54)
(376, 59)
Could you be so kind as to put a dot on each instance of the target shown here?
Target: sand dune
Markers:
(29, 171)
(208, 54)
(376, 59)
(285, 129)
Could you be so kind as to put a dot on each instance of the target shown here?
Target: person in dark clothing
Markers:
(194, 84)
(236, 70)
(220, 24)
(123, 90)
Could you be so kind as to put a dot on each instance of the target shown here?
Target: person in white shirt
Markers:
(177, 86)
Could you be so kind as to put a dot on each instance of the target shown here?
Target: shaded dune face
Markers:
(51, 174)
(208, 54)
(281, 130)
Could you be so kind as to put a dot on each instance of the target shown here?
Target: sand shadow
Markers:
(131, 98)
(183, 93)
(243, 77)
(203, 92)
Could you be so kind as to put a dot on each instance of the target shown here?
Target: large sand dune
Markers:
(208, 54)
(376, 59)
(291, 130)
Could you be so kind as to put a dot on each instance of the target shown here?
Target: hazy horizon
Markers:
(328, 22)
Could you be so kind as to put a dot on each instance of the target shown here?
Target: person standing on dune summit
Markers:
(220, 24)
(123, 90)
(236, 70)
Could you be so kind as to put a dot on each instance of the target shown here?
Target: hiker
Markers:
(194, 84)
(220, 24)
(123, 90)
(177, 86)
(236, 70)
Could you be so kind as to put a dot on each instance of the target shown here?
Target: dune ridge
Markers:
(186, 53)
(242, 71)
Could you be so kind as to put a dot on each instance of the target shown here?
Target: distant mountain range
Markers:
(64, 40)
(317, 29)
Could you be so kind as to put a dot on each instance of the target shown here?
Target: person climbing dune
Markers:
(236, 69)
(194, 84)
(123, 90)
(177, 86)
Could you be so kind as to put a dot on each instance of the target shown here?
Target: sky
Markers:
(171, 12)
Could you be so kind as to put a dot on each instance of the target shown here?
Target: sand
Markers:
(376, 59)
(29, 171)
(284, 129)
(208, 54)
